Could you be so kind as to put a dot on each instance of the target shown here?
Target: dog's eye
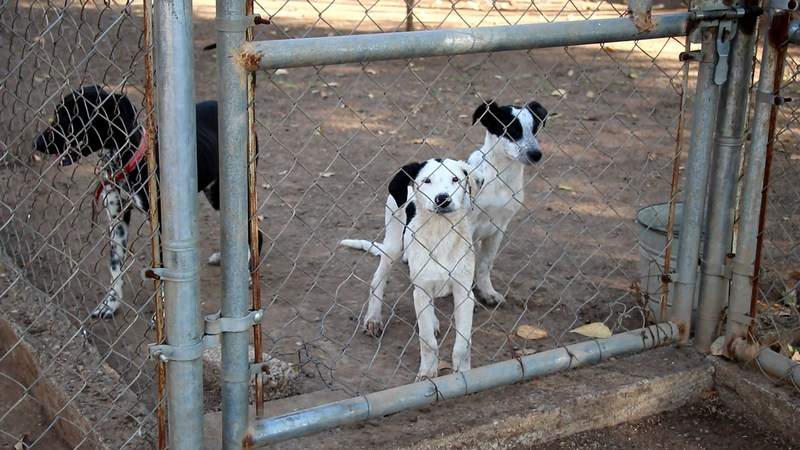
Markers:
(455, 180)
(426, 181)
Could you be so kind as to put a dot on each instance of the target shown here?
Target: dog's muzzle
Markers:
(529, 155)
(47, 143)
(443, 204)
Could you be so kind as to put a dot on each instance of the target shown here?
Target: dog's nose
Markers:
(442, 200)
(534, 155)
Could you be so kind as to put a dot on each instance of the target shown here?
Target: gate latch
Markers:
(725, 33)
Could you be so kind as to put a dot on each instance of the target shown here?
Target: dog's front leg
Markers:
(118, 232)
(428, 347)
(463, 307)
(484, 291)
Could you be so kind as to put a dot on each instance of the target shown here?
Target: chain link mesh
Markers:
(68, 379)
(335, 135)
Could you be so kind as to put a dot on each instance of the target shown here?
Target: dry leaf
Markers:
(371, 72)
(444, 365)
(559, 93)
(570, 72)
(531, 332)
(283, 172)
(327, 174)
(595, 330)
(718, 346)
(796, 357)
(651, 156)
(332, 84)
(589, 94)
(633, 75)
(418, 141)
(565, 187)
(281, 72)
(794, 157)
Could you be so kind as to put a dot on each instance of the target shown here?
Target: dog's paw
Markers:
(427, 374)
(215, 259)
(107, 308)
(373, 328)
(489, 298)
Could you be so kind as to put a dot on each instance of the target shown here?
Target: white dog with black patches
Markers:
(509, 146)
(427, 219)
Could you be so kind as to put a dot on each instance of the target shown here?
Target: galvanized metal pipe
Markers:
(694, 193)
(287, 53)
(178, 157)
(233, 138)
(415, 395)
(722, 192)
(771, 362)
(755, 161)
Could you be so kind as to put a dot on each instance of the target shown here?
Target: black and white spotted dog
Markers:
(509, 146)
(91, 120)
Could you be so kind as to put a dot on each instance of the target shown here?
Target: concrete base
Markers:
(772, 406)
(620, 390)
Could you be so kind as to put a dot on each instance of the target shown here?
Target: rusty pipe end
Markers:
(248, 58)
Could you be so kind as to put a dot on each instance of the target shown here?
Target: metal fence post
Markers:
(177, 147)
(704, 118)
(775, 36)
(233, 130)
(722, 192)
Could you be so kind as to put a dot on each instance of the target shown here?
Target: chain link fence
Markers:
(69, 379)
(331, 137)
(337, 134)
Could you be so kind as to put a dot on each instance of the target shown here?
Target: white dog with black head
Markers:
(427, 220)
(509, 146)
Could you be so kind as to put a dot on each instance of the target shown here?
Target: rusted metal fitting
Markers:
(779, 100)
(691, 56)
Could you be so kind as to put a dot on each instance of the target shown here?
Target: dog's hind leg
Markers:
(392, 249)
(428, 347)
(463, 307)
(118, 232)
(484, 291)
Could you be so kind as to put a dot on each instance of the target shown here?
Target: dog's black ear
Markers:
(494, 118)
(539, 112)
(398, 186)
(483, 110)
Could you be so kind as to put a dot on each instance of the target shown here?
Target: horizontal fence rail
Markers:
(288, 53)
(415, 395)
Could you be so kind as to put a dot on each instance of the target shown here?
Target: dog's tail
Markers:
(373, 248)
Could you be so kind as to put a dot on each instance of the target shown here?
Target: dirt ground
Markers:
(330, 139)
(696, 427)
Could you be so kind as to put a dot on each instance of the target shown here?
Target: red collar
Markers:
(141, 150)
(129, 167)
